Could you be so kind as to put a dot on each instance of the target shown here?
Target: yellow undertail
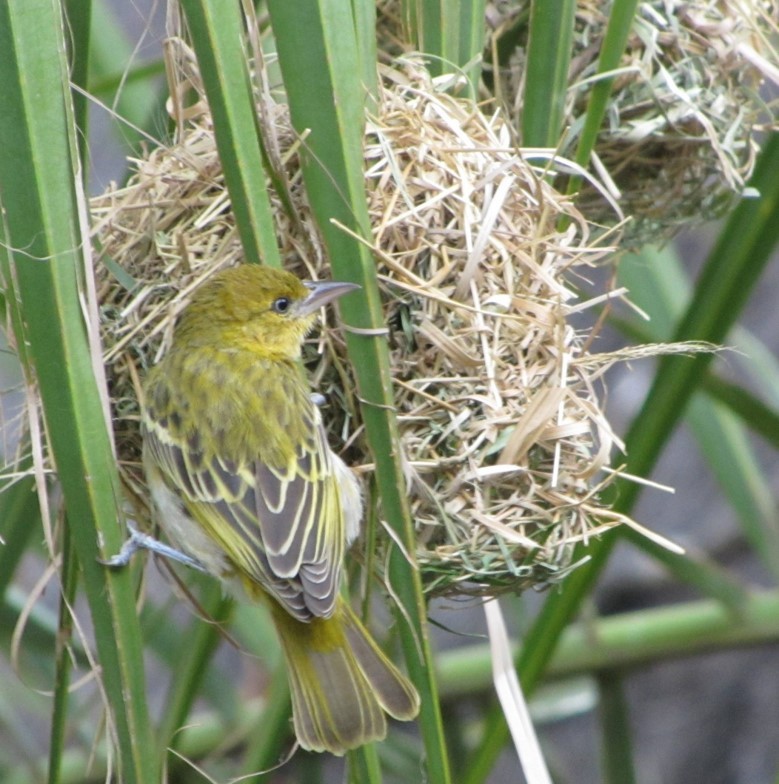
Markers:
(341, 683)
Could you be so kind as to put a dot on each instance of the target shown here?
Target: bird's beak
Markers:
(322, 293)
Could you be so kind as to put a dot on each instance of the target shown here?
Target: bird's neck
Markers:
(235, 339)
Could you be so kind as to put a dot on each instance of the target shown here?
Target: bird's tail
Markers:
(341, 682)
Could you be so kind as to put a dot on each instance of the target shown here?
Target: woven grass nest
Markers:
(504, 440)
(679, 137)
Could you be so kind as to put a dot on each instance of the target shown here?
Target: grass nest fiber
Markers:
(502, 432)
(679, 139)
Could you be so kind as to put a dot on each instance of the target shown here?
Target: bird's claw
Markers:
(141, 541)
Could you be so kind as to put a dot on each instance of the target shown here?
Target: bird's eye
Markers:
(281, 305)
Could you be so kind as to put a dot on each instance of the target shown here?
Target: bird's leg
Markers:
(141, 541)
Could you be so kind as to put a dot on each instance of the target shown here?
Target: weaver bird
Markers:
(246, 486)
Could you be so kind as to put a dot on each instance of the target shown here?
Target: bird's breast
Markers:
(233, 404)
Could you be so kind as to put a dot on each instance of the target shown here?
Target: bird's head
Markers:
(266, 310)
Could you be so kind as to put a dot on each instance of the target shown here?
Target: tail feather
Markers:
(341, 682)
(392, 690)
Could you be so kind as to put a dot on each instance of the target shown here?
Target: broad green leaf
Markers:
(546, 80)
(218, 39)
(42, 267)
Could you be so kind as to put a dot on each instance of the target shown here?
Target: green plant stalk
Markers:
(410, 14)
(163, 640)
(319, 65)
(363, 766)
(549, 50)
(759, 362)
(697, 570)
(762, 419)
(721, 436)
(216, 30)
(659, 286)
(452, 32)
(627, 641)
(739, 474)
(617, 745)
(41, 266)
(732, 269)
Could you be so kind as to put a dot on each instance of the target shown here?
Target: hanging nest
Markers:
(678, 138)
(503, 437)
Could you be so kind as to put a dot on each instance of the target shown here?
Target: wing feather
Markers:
(281, 526)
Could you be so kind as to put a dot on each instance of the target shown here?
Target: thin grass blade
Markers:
(434, 27)
(451, 32)
(79, 16)
(364, 12)
(271, 732)
(19, 520)
(753, 412)
(63, 661)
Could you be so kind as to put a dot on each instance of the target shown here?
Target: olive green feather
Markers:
(244, 481)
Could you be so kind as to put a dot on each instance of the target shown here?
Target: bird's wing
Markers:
(280, 525)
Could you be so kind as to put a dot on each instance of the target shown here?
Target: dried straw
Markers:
(501, 427)
(679, 139)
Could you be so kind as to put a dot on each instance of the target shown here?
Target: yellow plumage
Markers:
(244, 481)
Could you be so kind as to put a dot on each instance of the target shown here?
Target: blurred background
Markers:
(700, 717)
